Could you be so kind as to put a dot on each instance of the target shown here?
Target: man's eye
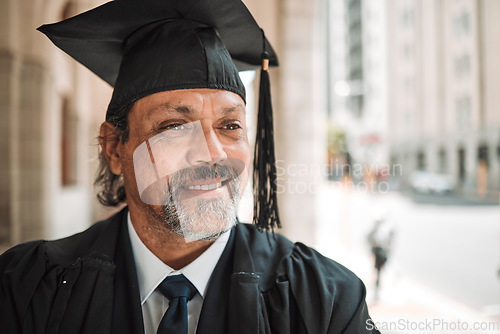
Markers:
(232, 126)
(175, 126)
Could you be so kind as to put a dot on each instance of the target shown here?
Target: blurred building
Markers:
(360, 78)
(51, 108)
(419, 82)
(443, 90)
(336, 54)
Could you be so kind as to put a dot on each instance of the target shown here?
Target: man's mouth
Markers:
(205, 186)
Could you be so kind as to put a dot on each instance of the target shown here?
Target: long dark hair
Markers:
(110, 188)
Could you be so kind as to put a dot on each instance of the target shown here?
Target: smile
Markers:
(205, 186)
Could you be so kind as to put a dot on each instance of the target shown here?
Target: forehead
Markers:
(191, 102)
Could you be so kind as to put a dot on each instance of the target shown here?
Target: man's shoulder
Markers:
(60, 251)
(264, 243)
(274, 254)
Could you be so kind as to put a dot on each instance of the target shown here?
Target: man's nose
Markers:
(206, 148)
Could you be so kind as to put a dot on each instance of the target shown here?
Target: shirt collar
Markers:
(151, 271)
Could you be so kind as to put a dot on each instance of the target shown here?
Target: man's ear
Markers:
(111, 147)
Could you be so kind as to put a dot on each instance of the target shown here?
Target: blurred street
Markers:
(454, 248)
(444, 260)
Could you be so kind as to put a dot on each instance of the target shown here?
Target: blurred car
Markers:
(431, 183)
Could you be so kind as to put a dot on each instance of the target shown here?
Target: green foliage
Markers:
(336, 140)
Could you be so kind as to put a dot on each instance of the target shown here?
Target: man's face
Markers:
(186, 160)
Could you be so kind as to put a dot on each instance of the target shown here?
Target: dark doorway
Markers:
(443, 166)
(482, 154)
(420, 161)
(461, 165)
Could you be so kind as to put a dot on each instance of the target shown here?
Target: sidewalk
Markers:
(415, 308)
(405, 306)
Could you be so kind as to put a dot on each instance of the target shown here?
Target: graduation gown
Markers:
(263, 283)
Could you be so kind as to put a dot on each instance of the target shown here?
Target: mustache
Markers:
(212, 171)
(168, 187)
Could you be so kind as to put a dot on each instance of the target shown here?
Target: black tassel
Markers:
(264, 164)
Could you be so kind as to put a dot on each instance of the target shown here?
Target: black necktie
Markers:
(178, 289)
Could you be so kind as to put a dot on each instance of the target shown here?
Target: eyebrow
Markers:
(186, 110)
(181, 109)
(236, 108)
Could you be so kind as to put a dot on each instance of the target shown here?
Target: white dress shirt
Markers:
(151, 271)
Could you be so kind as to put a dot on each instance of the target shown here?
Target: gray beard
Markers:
(200, 218)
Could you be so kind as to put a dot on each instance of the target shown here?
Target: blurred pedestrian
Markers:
(380, 240)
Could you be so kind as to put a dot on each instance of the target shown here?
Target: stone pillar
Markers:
(22, 209)
(29, 137)
(300, 125)
(22, 200)
(471, 163)
(6, 182)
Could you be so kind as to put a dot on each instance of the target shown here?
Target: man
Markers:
(175, 150)
(380, 240)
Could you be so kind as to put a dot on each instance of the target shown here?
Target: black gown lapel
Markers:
(214, 313)
(127, 311)
(245, 310)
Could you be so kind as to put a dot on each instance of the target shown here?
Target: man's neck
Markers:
(171, 248)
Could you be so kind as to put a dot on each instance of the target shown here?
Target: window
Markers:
(408, 17)
(442, 160)
(482, 154)
(68, 144)
(420, 161)
(463, 112)
(408, 51)
(461, 24)
(462, 66)
(461, 164)
(408, 85)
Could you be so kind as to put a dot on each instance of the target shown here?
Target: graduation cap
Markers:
(148, 46)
